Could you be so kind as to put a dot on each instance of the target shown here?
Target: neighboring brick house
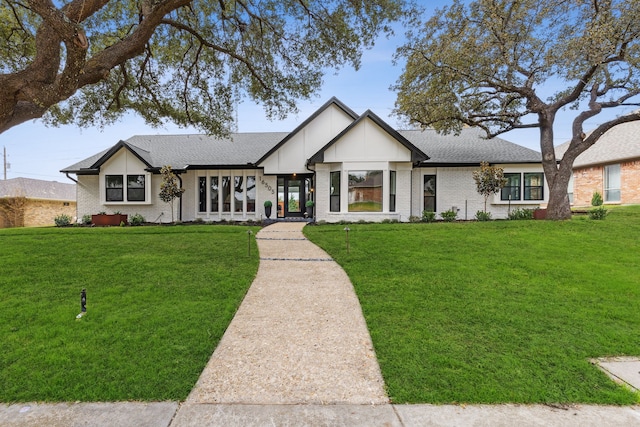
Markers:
(611, 167)
(26, 202)
(354, 167)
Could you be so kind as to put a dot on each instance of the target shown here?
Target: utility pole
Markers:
(4, 149)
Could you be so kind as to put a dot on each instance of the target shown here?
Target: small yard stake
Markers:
(249, 242)
(347, 229)
(83, 303)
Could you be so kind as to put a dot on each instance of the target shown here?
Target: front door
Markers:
(292, 195)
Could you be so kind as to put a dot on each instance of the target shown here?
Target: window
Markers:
(392, 191)
(511, 190)
(334, 192)
(114, 186)
(135, 188)
(214, 194)
(612, 183)
(238, 193)
(226, 194)
(365, 191)
(570, 189)
(251, 193)
(429, 193)
(533, 186)
(202, 194)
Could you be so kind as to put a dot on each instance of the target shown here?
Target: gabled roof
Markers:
(416, 154)
(469, 148)
(618, 144)
(37, 189)
(333, 101)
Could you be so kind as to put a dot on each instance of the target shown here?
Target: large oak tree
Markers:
(188, 61)
(494, 64)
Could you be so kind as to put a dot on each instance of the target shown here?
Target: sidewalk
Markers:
(298, 353)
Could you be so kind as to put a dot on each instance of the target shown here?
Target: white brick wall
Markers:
(455, 187)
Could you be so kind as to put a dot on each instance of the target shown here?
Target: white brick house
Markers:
(353, 167)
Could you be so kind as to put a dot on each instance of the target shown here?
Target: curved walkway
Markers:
(299, 335)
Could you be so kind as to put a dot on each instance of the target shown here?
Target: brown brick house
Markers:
(26, 202)
(611, 167)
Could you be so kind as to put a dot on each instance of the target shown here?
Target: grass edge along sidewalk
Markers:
(496, 312)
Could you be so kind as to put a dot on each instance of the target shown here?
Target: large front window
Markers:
(612, 183)
(135, 188)
(365, 191)
(115, 188)
(511, 190)
(533, 186)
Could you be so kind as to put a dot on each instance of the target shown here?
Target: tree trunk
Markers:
(557, 176)
(559, 207)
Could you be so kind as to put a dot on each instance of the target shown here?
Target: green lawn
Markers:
(502, 311)
(158, 301)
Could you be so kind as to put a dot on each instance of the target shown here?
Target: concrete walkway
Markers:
(298, 353)
(299, 336)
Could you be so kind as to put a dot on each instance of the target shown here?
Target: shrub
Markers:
(428, 216)
(483, 216)
(596, 199)
(137, 219)
(449, 216)
(414, 218)
(62, 220)
(598, 213)
(520, 214)
(86, 219)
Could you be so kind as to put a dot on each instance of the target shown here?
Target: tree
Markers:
(494, 64)
(169, 188)
(188, 61)
(489, 180)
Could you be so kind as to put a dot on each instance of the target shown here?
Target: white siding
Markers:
(293, 155)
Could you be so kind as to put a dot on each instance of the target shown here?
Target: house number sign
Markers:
(267, 185)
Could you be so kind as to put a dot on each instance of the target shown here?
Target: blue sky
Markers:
(40, 152)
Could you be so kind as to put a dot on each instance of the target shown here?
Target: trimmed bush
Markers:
(483, 216)
(598, 213)
(136, 219)
(521, 214)
(449, 216)
(62, 220)
(596, 199)
(428, 216)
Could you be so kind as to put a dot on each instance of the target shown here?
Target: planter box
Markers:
(540, 214)
(113, 219)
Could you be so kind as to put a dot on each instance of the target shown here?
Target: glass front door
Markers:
(292, 196)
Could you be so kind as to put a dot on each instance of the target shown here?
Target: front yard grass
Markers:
(495, 312)
(158, 301)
